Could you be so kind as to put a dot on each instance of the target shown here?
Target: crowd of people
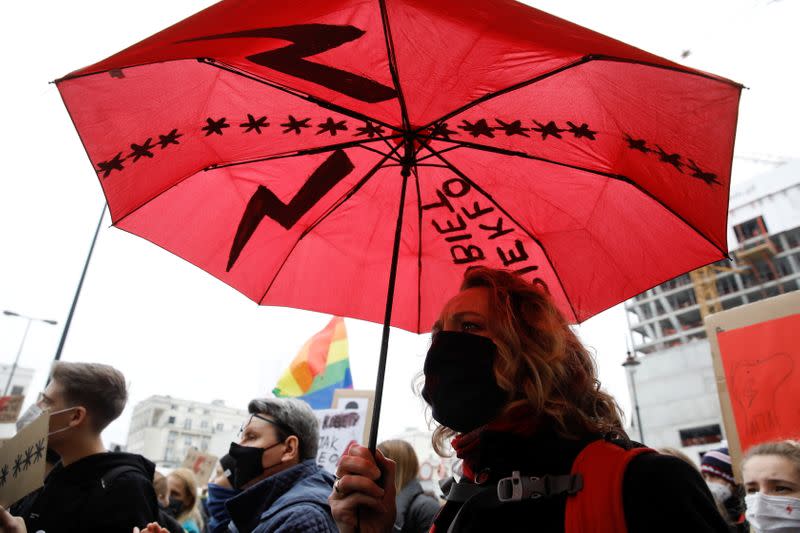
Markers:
(510, 388)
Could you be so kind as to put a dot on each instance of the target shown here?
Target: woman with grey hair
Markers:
(274, 469)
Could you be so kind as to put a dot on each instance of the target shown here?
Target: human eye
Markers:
(782, 489)
(471, 326)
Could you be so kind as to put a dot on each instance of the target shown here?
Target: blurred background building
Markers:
(674, 384)
(163, 429)
(18, 386)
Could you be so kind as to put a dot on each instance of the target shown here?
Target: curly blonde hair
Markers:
(540, 361)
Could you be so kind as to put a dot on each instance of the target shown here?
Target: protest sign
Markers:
(338, 428)
(10, 407)
(355, 399)
(757, 367)
(22, 460)
(202, 464)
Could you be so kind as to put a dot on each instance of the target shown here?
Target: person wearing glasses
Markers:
(273, 469)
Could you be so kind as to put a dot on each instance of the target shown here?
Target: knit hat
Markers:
(718, 463)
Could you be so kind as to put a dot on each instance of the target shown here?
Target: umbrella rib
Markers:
(387, 34)
(346, 196)
(535, 239)
(303, 96)
(419, 246)
(581, 61)
(306, 151)
(610, 175)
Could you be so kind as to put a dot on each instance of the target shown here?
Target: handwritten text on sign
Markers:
(338, 428)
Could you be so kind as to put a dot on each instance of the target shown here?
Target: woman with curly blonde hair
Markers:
(543, 449)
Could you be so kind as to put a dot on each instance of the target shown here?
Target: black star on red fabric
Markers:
(142, 150)
(169, 138)
(254, 124)
(331, 126)
(106, 167)
(707, 177)
(512, 128)
(215, 126)
(672, 159)
(548, 129)
(637, 144)
(295, 125)
(581, 131)
(481, 127)
(370, 129)
(440, 129)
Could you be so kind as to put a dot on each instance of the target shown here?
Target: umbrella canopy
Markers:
(303, 152)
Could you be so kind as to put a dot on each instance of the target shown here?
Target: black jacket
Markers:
(82, 498)
(661, 493)
(415, 509)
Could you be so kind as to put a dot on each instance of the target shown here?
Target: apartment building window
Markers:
(172, 436)
(204, 424)
(16, 390)
(220, 426)
(751, 228)
(187, 424)
(171, 421)
(187, 441)
(700, 435)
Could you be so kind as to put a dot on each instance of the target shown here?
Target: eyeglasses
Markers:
(280, 425)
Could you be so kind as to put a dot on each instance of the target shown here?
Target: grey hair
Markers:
(297, 418)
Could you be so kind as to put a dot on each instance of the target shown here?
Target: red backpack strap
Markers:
(598, 507)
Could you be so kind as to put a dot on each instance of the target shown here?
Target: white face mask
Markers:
(773, 513)
(719, 491)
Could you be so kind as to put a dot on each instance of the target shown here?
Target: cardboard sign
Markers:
(202, 464)
(22, 461)
(338, 428)
(356, 399)
(757, 367)
(10, 407)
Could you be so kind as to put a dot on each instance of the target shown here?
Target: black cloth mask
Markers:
(174, 508)
(459, 381)
(247, 463)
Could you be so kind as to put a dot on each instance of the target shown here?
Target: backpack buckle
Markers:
(511, 489)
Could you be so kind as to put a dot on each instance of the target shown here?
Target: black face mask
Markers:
(459, 381)
(175, 507)
(247, 463)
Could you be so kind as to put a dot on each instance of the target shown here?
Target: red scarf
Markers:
(519, 421)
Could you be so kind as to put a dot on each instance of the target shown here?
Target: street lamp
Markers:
(630, 364)
(30, 320)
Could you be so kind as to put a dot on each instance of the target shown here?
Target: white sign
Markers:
(338, 428)
(22, 460)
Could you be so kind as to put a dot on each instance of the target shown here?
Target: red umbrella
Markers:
(304, 152)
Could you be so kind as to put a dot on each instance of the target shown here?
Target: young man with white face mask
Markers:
(771, 473)
(90, 489)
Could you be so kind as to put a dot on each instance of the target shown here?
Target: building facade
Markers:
(18, 386)
(675, 384)
(163, 429)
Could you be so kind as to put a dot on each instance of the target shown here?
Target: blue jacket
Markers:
(292, 501)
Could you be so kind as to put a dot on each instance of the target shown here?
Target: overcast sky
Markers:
(173, 329)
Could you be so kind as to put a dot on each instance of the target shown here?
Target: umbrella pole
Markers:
(376, 411)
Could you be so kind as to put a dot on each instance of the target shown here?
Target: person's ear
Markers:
(292, 450)
(79, 416)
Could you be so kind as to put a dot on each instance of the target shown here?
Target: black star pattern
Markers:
(17, 466)
(106, 167)
(142, 150)
(371, 130)
(440, 129)
(39, 452)
(481, 127)
(28, 457)
(215, 126)
(512, 128)
(672, 159)
(548, 129)
(254, 124)
(295, 125)
(637, 144)
(707, 177)
(3, 475)
(169, 138)
(331, 127)
(581, 131)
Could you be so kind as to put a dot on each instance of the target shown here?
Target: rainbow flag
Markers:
(321, 366)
